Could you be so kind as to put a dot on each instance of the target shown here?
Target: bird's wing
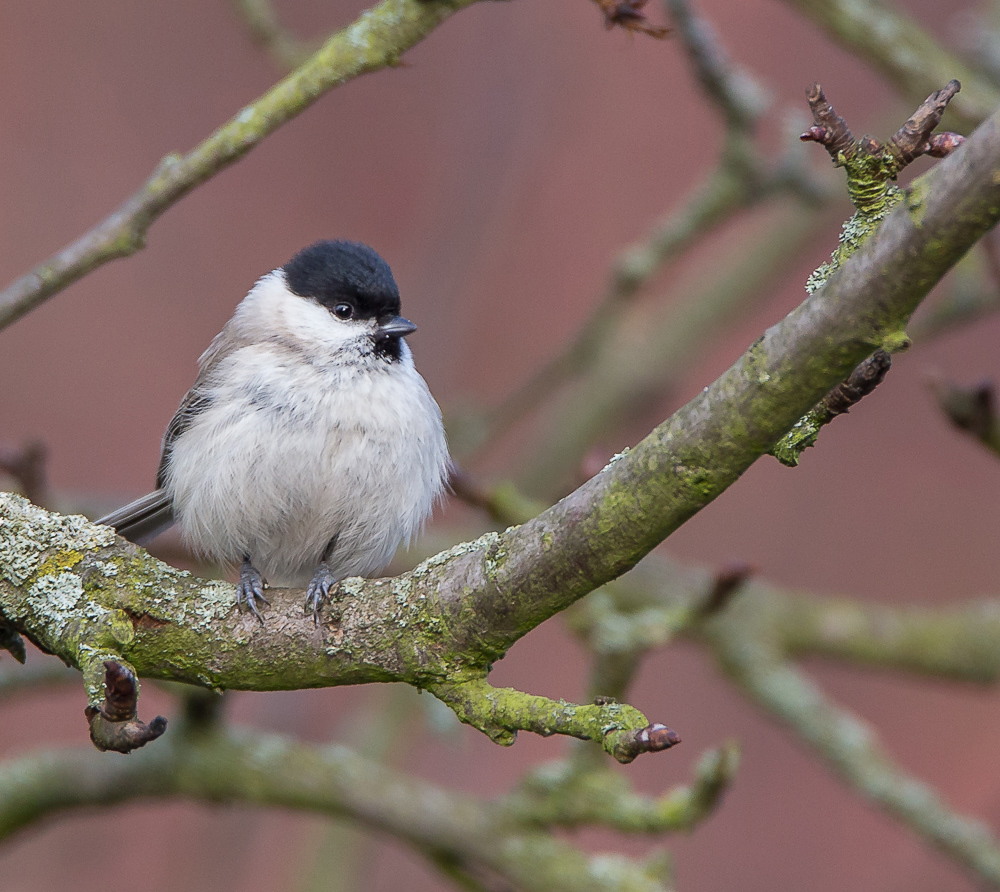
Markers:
(143, 518)
(195, 401)
(198, 398)
(152, 514)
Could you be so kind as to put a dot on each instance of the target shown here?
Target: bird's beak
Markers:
(396, 327)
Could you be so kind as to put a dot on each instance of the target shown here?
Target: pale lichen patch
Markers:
(57, 597)
(486, 541)
(29, 533)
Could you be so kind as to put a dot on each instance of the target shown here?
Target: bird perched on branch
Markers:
(309, 446)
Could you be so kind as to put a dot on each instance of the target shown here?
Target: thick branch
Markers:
(71, 588)
(376, 40)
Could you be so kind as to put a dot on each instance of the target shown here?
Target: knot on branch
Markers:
(114, 724)
(862, 381)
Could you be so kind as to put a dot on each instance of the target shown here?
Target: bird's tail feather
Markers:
(142, 519)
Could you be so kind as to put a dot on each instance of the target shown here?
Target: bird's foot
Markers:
(250, 588)
(319, 589)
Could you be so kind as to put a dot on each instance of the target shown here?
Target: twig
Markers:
(628, 14)
(852, 749)
(620, 729)
(731, 89)
(861, 382)
(113, 723)
(376, 40)
(267, 31)
(911, 141)
(741, 180)
(763, 626)
(632, 373)
(872, 166)
(728, 189)
(914, 138)
(565, 795)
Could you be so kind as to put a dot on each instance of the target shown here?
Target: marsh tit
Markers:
(309, 446)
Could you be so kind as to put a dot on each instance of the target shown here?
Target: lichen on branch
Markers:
(620, 729)
(872, 166)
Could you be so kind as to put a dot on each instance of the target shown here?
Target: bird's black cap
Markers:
(333, 272)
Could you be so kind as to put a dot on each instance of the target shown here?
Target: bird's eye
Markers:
(343, 311)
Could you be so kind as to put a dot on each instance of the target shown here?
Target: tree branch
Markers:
(908, 56)
(762, 627)
(561, 794)
(501, 712)
(214, 766)
(851, 747)
(72, 589)
(267, 31)
(376, 40)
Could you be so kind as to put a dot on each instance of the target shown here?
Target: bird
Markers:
(309, 447)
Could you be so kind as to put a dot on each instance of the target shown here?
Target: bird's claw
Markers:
(250, 589)
(319, 589)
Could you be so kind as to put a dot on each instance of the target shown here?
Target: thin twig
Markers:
(267, 31)
(730, 88)
(377, 39)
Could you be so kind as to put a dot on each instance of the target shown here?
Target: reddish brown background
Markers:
(500, 172)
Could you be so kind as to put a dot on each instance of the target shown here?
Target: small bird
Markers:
(309, 444)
